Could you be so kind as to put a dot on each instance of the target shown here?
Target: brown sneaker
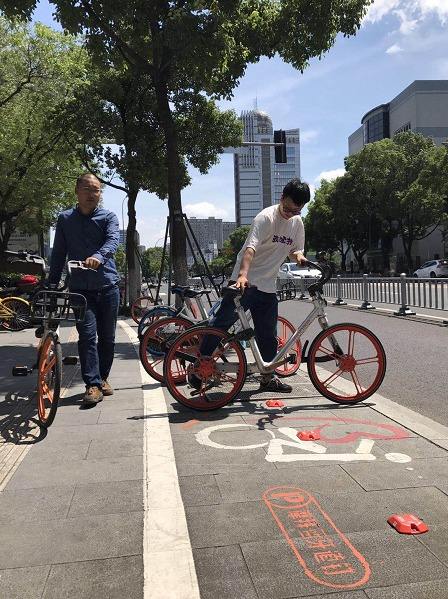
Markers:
(106, 388)
(92, 396)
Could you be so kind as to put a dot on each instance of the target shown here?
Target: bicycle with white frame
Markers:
(352, 357)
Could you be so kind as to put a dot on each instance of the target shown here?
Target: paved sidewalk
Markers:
(72, 514)
(268, 515)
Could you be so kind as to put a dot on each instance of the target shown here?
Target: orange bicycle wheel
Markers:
(218, 378)
(353, 363)
(152, 354)
(285, 330)
(49, 379)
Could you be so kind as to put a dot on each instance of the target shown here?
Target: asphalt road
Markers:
(417, 356)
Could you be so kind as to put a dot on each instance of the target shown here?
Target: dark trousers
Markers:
(96, 356)
(264, 310)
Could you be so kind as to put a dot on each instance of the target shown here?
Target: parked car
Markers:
(433, 268)
(291, 270)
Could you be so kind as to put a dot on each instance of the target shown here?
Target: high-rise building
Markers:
(259, 180)
(227, 228)
(210, 234)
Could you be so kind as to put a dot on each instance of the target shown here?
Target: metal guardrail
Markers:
(403, 291)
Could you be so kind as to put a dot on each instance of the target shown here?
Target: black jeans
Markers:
(101, 320)
(264, 309)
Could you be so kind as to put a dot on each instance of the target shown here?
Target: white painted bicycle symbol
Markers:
(305, 451)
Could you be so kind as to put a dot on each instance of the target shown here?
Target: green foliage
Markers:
(192, 53)
(392, 187)
(151, 261)
(230, 249)
(39, 71)
(120, 259)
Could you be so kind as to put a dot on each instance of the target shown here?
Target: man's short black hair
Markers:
(84, 176)
(298, 191)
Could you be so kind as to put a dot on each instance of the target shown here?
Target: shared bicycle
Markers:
(49, 308)
(346, 362)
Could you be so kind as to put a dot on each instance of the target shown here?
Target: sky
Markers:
(399, 41)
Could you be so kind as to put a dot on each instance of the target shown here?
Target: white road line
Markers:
(169, 571)
(417, 423)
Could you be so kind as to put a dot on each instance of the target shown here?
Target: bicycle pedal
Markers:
(292, 358)
(70, 360)
(21, 371)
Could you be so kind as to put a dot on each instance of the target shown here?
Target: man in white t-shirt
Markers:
(276, 232)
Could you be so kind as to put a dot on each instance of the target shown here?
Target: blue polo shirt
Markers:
(79, 237)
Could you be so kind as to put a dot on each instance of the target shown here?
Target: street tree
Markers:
(200, 49)
(399, 183)
(39, 70)
(322, 226)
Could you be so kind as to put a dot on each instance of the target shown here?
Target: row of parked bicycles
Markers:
(346, 362)
(16, 295)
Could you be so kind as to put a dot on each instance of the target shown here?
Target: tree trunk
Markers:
(174, 174)
(407, 245)
(133, 267)
(6, 230)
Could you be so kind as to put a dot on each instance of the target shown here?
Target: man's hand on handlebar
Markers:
(241, 283)
(92, 262)
(300, 259)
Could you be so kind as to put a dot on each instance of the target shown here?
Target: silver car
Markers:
(432, 269)
(291, 270)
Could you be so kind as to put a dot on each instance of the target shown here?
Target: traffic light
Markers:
(280, 151)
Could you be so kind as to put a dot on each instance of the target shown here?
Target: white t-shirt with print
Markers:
(272, 237)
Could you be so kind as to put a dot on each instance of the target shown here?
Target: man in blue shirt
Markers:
(91, 234)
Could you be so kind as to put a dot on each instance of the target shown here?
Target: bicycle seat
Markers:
(230, 291)
(186, 291)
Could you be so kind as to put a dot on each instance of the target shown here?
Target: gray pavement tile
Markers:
(235, 488)
(23, 583)
(115, 447)
(229, 524)
(109, 578)
(37, 505)
(188, 426)
(45, 451)
(347, 595)
(120, 402)
(362, 512)
(120, 416)
(393, 559)
(436, 540)
(107, 498)
(225, 467)
(85, 433)
(75, 415)
(199, 490)
(76, 472)
(222, 573)
(434, 589)
(416, 447)
(423, 472)
(71, 540)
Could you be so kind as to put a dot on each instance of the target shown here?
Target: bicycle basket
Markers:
(59, 305)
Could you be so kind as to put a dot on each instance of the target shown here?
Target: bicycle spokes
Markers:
(353, 363)
(213, 378)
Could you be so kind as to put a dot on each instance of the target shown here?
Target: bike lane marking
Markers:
(417, 423)
(307, 451)
(324, 552)
(165, 534)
